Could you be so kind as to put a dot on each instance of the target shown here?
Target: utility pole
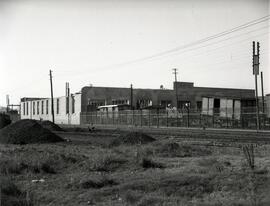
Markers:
(68, 101)
(7, 102)
(256, 63)
(175, 86)
(52, 106)
(131, 97)
(262, 92)
(176, 94)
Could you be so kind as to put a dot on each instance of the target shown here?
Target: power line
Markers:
(235, 29)
(190, 50)
(183, 47)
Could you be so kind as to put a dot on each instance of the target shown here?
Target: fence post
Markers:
(177, 121)
(100, 117)
(213, 119)
(187, 117)
(200, 121)
(91, 118)
(132, 117)
(141, 117)
(227, 120)
(149, 117)
(157, 118)
(167, 116)
(127, 117)
(113, 116)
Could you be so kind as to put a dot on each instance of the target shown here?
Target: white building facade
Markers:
(67, 110)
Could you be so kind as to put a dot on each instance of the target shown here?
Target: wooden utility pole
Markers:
(175, 86)
(262, 92)
(131, 97)
(52, 105)
(176, 93)
(256, 63)
(7, 102)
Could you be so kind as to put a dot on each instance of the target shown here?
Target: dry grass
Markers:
(11, 195)
(159, 173)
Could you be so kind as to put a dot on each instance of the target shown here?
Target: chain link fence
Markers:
(215, 118)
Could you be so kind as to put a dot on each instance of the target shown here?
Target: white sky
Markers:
(86, 42)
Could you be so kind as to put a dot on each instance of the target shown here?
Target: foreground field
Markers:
(90, 169)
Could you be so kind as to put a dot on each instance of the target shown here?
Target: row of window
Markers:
(39, 107)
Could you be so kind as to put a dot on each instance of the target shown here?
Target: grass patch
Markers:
(11, 166)
(173, 149)
(98, 183)
(177, 185)
(11, 195)
(132, 197)
(106, 163)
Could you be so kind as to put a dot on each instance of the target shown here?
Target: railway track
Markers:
(209, 136)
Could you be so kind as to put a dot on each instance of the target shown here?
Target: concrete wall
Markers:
(61, 116)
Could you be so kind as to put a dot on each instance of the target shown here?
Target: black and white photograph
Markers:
(134, 102)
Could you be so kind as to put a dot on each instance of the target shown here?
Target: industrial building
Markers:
(70, 108)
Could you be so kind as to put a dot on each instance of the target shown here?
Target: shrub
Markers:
(132, 197)
(9, 166)
(98, 183)
(106, 163)
(11, 195)
(148, 163)
(151, 201)
(172, 149)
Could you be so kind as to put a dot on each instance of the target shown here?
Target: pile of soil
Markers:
(4, 120)
(27, 131)
(50, 126)
(133, 138)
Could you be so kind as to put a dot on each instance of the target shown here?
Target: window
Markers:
(184, 104)
(165, 103)
(37, 107)
(142, 103)
(27, 108)
(24, 108)
(67, 105)
(199, 105)
(120, 101)
(42, 107)
(47, 106)
(94, 104)
(34, 105)
(73, 104)
(57, 106)
(216, 105)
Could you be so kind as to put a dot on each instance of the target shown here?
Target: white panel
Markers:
(229, 108)
(237, 109)
(211, 106)
(223, 107)
(204, 105)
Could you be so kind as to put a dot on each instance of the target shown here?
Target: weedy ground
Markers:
(165, 172)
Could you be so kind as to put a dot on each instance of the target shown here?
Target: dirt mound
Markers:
(4, 120)
(27, 131)
(50, 125)
(132, 138)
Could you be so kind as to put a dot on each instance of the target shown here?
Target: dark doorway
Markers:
(216, 106)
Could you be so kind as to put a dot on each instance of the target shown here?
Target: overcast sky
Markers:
(95, 42)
